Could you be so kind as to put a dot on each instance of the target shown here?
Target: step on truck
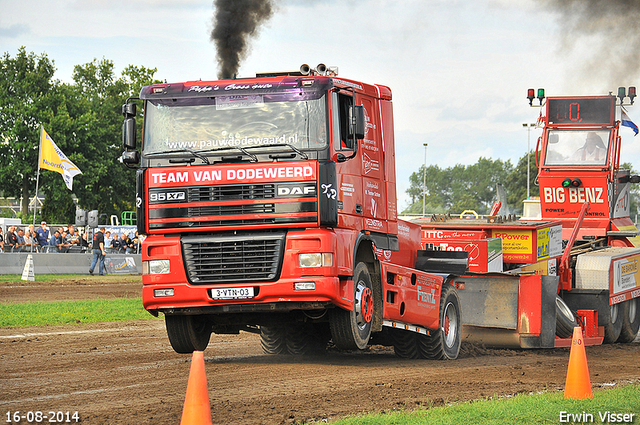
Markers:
(269, 205)
(578, 235)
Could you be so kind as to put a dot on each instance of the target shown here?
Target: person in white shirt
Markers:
(593, 150)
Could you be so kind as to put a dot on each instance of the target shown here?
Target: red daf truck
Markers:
(269, 206)
(584, 237)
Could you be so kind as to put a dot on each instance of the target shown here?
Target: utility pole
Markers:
(528, 125)
(424, 180)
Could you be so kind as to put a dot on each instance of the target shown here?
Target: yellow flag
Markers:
(52, 158)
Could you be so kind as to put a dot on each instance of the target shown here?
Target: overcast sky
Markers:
(459, 70)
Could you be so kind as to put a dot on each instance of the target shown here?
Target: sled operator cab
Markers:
(582, 185)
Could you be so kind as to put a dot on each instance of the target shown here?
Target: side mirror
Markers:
(356, 122)
(130, 157)
(129, 126)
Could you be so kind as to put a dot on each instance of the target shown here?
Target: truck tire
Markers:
(630, 320)
(187, 333)
(405, 344)
(351, 330)
(444, 342)
(612, 322)
(303, 339)
(273, 339)
(565, 320)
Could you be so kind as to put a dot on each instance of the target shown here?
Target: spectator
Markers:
(72, 237)
(98, 251)
(137, 240)
(83, 241)
(21, 242)
(11, 240)
(1, 241)
(107, 240)
(115, 243)
(29, 240)
(42, 235)
(64, 246)
(55, 242)
(126, 244)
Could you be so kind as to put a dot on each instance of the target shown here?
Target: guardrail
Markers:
(69, 263)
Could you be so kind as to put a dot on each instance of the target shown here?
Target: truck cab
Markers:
(269, 205)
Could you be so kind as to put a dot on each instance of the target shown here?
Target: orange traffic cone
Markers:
(196, 410)
(578, 384)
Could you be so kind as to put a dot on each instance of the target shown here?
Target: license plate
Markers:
(231, 293)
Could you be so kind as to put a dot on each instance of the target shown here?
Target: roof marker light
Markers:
(566, 183)
(530, 96)
(540, 95)
(622, 93)
(632, 93)
(576, 182)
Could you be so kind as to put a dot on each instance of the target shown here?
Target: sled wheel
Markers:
(351, 330)
(612, 323)
(187, 333)
(630, 320)
(565, 320)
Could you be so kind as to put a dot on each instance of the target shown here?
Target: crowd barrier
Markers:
(69, 263)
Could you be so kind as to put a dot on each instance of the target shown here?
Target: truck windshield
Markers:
(577, 147)
(240, 121)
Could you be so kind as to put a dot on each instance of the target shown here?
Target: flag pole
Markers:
(35, 199)
(28, 272)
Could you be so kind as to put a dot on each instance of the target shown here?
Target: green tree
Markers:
(84, 119)
(458, 188)
(28, 97)
(107, 185)
(516, 183)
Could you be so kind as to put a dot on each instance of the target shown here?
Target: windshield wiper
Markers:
(296, 150)
(191, 151)
(243, 150)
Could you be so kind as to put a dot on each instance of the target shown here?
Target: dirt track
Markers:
(127, 373)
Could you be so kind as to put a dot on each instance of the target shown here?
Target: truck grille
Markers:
(231, 192)
(233, 258)
(232, 205)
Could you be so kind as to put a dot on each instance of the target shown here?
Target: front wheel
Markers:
(351, 330)
(187, 333)
(630, 320)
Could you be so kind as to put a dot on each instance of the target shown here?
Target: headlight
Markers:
(156, 267)
(316, 259)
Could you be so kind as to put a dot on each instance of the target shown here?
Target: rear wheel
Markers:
(304, 339)
(273, 339)
(565, 320)
(630, 320)
(405, 344)
(444, 343)
(351, 330)
(187, 333)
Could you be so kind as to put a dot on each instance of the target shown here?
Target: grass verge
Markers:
(545, 408)
(65, 312)
(124, 278)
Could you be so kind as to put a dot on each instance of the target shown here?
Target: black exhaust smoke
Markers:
(234, 23)
(613, 57)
